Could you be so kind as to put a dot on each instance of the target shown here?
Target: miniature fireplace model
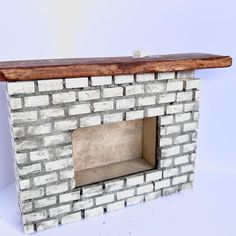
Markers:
(95, 135)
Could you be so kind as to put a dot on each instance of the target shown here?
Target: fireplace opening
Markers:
(109, 151)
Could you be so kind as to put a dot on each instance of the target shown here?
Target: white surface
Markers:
(208, 209)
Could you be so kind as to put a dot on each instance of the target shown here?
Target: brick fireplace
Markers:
(95, 135)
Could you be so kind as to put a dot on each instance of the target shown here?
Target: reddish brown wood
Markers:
(70, 68)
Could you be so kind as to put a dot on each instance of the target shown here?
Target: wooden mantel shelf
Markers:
(84, 67)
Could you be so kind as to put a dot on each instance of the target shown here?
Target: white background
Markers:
(85, 28)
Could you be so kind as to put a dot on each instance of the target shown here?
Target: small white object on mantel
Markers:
(139, 54)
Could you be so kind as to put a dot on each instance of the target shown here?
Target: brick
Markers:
(83, 204)
(105, 199)
(125, 194)
(170, 172)
(56, 139)
(101, 80)
(59, 164)
(197, 95)
(193, 84)
(145, 189)
(186, 186)
(153, 176)
(187, 168)
(40, 129)
(18, 132)
(170, 190)
(93, 212)
(134, 89)
(45, 179)
(196, 116)
(166, 163)
(134, 180)
(65, 125)
(162, 184)
(185, 74)
(71, 218)
(57, 188)
(112, 92)
(115, 206)
(132, 115)
(171, 151)
(24, 184)
(134, 200)
(181, 139)
(193, 157)
(63, 151)
(50, 85)
(41, 155)
(90, 121)
(29, 229)
(15, 103)
(155, 88)
(79, 109)
(152, 196)
(20, 88)
(166, 120)
(191, 177)
(31, 194)
(190, 147)
(36, 216)
(145, 77)
(184, 96)
(166, 98)
(174, 86)
(51, 113)
(89, 95)
(155, 111)
(76, 82)
(31, 169)
(179, 179)
(56, 211)
(114, 185)
(35, 101)
(26, 207)
(182, 117)
(190, 126)
(170, 129)
(92, 191)
(22, 117)
(165, 141)
(22, 145)
(68, 197)
(166, 75)
(45, 202)
(111, 118)
(122, 79)
(46, 225)
(125, 103)
(145, 101)
(173, 109)
(103, 106)
(193, 106)
(21, 158)
(67, 174)
(59, 98)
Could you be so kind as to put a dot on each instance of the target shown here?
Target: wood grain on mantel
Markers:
(85, 67)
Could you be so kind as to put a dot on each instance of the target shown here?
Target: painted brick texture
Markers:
(45, 113)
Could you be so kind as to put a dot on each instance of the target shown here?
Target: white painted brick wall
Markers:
(166, 163)
(112, 92)
(145, 189)
(93, 212)
(166, 120)
(89, 95)
(50, 85)
(134, 200)
(184, 96)
(190, 126)
(155, 111)
(170, 172)
(58, 164)
(193, 84)
(59, 98)
(22, 117)
(41, 129)
(57, 188)
(71, 218)
(56, 211)
(134, 180)
(181, 139)
(30, 169)
(77, 82)
(18, 132)
(46, 225)
(114, 185)
(171, 151)
(174, 86)
(20, 88)
(185, 74)
(45, 179)
(155, 88)
(103, 106)
(187, 168)
(173, 109)
(181, 160)
(112, 118)
(145, 77)
(67, 197)
(83, 204)
(25, 145)
(41, 155)
(125, 194)
(105, 199)
(24, 184)
(45, 202)
(180, 179)
(115, 206)
(65, 125)
(51, 113)
(193, 106)
(31, 194)
(122, 79)
(165, 141)
(101, 80)
(162, 184)
(125, 103)
(182, 117)
(90, 121)
(40, 215)
(166, 98)
(170, 129)
(55, 139)
(189, 147)
(166, 75)
(146, 101)
(92, 191)
(134, 89)
(152, 196)
(132, 115)
(153, 176)
(15, 103)
(79, 109)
